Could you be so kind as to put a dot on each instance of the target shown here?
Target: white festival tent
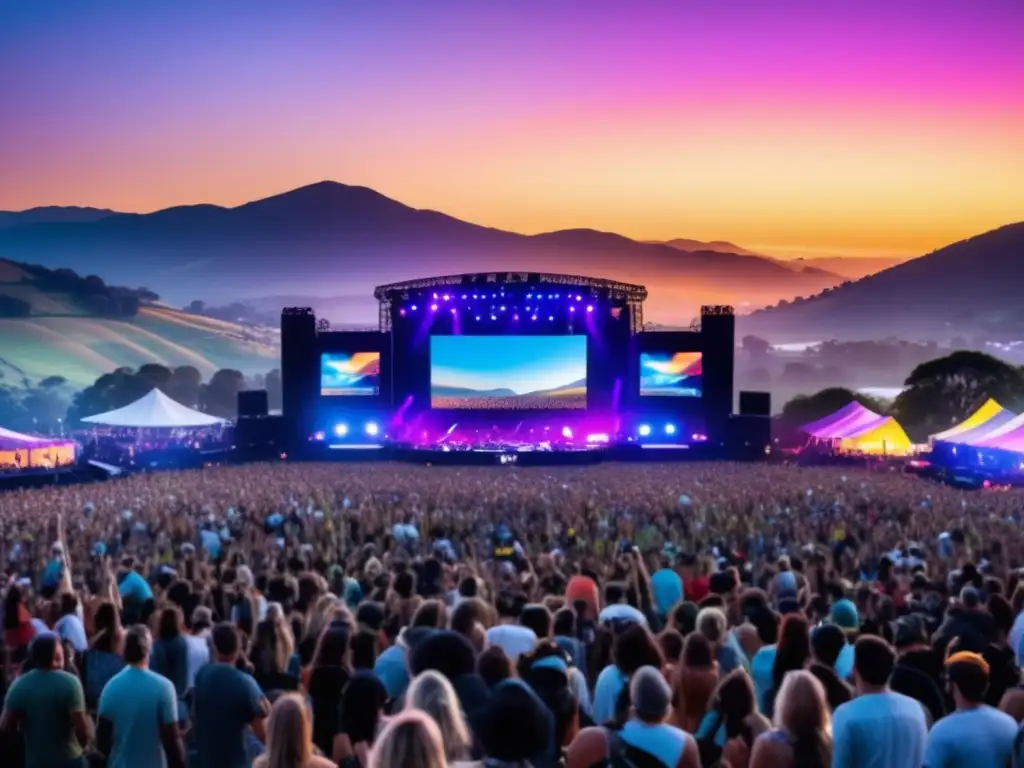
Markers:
(155, 411)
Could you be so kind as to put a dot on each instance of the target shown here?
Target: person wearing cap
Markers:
(844, 615)
(918, 672)
(975, 734)
(199, 641)
(48, 705)
(879, 728)
(646, 737)
(967, 621)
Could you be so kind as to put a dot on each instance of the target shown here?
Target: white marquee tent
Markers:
(154, 411)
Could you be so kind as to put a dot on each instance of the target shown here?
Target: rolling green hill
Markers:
(62, 338)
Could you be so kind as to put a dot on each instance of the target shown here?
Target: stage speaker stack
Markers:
(300, 374)
(253, 403)
(750, 432)
(718, 343)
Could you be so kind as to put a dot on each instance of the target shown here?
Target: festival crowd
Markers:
(373, 616)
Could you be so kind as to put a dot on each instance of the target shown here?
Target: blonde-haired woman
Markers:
(290, 737)
(431, 692)
(802, 736)
(411, 740)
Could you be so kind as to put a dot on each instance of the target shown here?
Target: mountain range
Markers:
(330, 239)
(970, 289)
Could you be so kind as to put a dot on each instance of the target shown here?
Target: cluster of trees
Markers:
(28, 406)
(218, 396)
(89, 292)
(938, 394)
(50, 406)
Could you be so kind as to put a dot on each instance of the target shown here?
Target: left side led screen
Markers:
(356, 374)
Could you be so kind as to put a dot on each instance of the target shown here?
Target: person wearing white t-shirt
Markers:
(508, 635)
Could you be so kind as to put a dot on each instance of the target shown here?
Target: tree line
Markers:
(938, 394)
(46, 406)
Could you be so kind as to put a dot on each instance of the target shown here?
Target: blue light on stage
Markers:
(446, 297)
(433, 307)
(341, 429)
(590, 308)
(670, 429)
(453, 310)
(551, 318)
(319, 437)
(372, 429)
(494, 317)
(644, 430)
(478, 318)
(413, 307)
(533, 317)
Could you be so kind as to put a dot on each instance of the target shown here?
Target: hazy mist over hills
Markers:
(329, 239)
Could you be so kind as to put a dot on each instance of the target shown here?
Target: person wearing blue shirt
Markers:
(138, 712)
(879, 728)
(975, 734)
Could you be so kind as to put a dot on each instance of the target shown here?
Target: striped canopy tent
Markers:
(987, 418)
(843, 421)
(856, 429)
(24, 451)
(1008, 437)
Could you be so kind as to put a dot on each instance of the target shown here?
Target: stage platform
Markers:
(512, 457)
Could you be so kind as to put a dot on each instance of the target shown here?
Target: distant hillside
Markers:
(440, 390)
(718, 246)
(51, 214)
(969, 289)
(61, 335)
(329, 239)
(852, 268)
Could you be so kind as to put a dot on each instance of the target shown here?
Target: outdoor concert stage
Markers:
(518, 368)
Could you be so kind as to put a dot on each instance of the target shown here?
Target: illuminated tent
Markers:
(1008, 437)
(978, 425)
(23, 451)
(847, 418)
(856, 429)
(155, 411)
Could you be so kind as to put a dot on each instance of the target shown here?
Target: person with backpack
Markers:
(646, 740)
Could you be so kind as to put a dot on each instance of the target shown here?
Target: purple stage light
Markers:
(401, 312)
(533, 317)
(478, 318)
(453, 310)
(579, 298)
(446, 297)
(475, 296)
(567, 433)
(598, 438)
(515, 317)
(413, 307)
(435, 295)
(590, 308)
(433, 307)
(494, 317)
(529, 295)
(464, 296)
(551, 318)
(572, 309)
(502, 307)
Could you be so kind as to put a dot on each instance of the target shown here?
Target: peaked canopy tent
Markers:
(847, 418)
(25, 451)
(1008, 437)
(155, 411)
(856, 429)
(987, 418)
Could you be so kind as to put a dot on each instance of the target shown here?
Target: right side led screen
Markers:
(671, 374)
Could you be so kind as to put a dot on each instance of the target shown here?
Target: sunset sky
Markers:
(876, 127)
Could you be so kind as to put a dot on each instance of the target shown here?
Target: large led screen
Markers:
(667, 374)
(355, 374)
(508, 372)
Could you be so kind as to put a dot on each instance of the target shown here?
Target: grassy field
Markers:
(59, 339)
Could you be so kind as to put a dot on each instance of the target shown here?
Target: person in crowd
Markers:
(270, 652)
(974, 734)
(509, 635)
(410, 739)
(878, 728)
(712, 623)
(48, 705)
(827, 643)
(793, 652)
(431, 693)
(103, 658)
(199, 641)
(729, 729)
(360, 716)
(329, 674)
(138, 712)
(18, 627)
(696, 679)
(494, 666)
(844, 615)
(646, 738)
(289, 737)
(531, 743)
(919, 668)
(802, 736)
(633, 648)
(170, 653)
(226, 703)
(69, 626)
